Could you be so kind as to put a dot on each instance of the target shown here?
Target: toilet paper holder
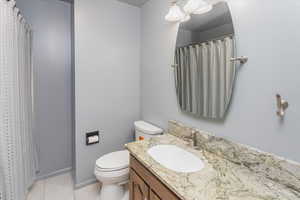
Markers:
(92, 138)
(282, 105)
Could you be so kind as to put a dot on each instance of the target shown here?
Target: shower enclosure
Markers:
(18, 160)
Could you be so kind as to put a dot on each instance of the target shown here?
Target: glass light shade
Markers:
(186, 18)
(194, 5)
(203, 10)
(175, 14)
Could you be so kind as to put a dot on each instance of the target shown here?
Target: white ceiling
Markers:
(137, 3)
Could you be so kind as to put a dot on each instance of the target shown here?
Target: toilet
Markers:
(112, 169)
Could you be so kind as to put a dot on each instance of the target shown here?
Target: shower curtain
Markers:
(18, 158)
(204, 77)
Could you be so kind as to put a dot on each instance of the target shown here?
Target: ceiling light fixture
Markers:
(197, 7)
(175, 14)
(203, 9)
(192, 5)
(186, 18)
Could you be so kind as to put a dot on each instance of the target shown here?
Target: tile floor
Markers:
(61, 188)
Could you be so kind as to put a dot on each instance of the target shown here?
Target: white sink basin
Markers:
(175, 158)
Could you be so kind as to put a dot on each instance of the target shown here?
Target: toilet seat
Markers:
(117, 176)
(114, 161)
(113, 168)
(109, 170)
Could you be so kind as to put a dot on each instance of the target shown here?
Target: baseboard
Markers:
(65, 170)
(85, 183)
(55, 173)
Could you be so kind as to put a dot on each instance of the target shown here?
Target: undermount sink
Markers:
(176, 159)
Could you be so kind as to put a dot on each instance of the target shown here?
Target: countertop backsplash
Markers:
(273, 167)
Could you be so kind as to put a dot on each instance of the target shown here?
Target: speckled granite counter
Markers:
(231, 172)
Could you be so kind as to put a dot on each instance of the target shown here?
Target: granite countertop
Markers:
(220, 179)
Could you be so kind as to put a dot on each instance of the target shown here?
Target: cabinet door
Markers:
(139, 190)
(154, 196)
(158, 190)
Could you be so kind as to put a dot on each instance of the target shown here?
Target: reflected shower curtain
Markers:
(18, 161)
(204, 77)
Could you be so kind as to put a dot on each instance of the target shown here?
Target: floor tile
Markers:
(90, 192)
(62, 188)
(37, 191)
(59, 188)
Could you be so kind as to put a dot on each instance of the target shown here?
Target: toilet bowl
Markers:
(112, 169)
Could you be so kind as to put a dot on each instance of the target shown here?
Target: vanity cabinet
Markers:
(143, 185)
(139, 188)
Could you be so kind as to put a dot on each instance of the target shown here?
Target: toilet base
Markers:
(114, 192)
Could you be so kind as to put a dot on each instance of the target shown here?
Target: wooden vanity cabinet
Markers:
(138, 187)
(143, 185)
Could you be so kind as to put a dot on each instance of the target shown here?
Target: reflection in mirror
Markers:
(204, 72)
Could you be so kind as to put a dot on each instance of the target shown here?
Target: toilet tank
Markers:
(144, 130)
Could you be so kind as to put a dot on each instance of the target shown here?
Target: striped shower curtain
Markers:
(18, 163)
(204, 77)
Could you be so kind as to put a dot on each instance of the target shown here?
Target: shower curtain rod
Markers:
(207, 41)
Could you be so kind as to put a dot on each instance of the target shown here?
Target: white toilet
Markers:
(112, 169)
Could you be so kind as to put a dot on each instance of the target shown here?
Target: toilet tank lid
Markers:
(147, 128)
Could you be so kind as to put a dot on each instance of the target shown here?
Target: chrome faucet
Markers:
(193, 138)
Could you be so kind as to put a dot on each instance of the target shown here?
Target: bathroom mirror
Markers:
(204, 72)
